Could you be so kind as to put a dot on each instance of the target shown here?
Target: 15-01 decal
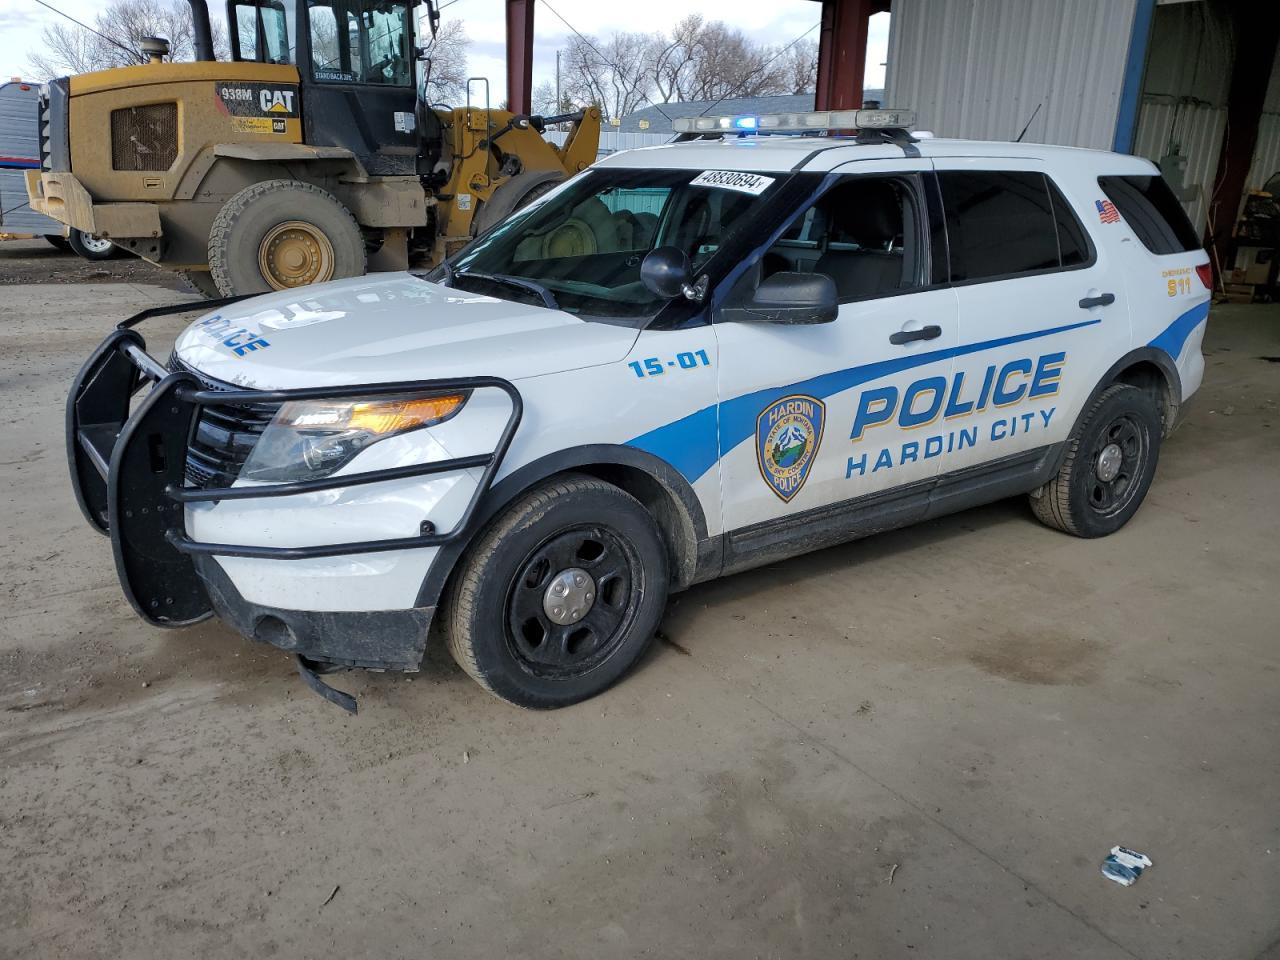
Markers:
(656, 366)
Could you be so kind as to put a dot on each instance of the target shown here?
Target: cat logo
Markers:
(788, 434)
(275, 101)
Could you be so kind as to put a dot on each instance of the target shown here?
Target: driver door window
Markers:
(863, 234)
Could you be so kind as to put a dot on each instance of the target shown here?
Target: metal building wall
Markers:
(1266, 155)
(978, 68)
(1183, 116)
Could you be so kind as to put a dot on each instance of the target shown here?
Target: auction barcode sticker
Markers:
(751, 183)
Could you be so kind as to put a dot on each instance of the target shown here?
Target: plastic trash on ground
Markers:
(1124, 866)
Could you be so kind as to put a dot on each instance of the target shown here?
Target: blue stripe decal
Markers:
(1174, 337)
(19, 165)
(689, 444)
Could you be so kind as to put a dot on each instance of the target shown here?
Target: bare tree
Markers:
(701, 60)
(613, 74)
(72, 49)
(447, 82)
(798, 67)
(544, 100)
(730, 64)
(674, 58)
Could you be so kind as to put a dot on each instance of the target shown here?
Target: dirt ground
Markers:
(919, 745)
(36, 261)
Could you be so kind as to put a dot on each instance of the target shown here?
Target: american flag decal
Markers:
(1107, 211)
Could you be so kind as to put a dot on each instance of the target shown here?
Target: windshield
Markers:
(580, 248)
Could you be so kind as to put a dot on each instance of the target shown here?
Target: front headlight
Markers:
(308, 439)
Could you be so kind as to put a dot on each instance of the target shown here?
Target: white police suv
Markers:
(687, 361)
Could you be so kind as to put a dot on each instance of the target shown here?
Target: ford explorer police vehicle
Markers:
(687, 361)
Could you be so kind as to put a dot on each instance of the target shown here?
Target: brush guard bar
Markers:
(128, 467)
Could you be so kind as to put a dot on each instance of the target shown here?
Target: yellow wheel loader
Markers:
(308, 157)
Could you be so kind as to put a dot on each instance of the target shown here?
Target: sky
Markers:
(776, 22)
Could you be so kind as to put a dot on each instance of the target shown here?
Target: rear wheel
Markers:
(91, 247)
(560, 596)
(58, 242)
(1108, 468)
(281, 234)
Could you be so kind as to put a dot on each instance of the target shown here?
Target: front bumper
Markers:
(128, 462)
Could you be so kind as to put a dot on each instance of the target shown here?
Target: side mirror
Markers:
(788, 297)
(665, 272)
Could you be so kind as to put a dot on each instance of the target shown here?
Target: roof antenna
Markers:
(1029, 122)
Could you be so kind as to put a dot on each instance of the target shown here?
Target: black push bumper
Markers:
(128, 452)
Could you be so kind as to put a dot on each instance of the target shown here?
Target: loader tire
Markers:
(282, 234)
(201, 281)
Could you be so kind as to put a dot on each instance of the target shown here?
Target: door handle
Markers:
(1105, 300)
(931, 332)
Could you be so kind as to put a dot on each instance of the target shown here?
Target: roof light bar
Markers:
(790, 122)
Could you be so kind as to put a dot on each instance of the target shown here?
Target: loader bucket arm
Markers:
(583, 143)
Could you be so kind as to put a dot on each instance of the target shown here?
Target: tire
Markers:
(499, 609)
(1097, 490)
(202, 282)
(90, 247)
(268, 222)
(57, 242)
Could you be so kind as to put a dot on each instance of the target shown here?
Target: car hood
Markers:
(388, 328)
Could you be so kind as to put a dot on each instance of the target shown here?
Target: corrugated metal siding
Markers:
(1184, 99)
(978, 68)
(19, 150)
(1196, 131)
(1266, 155)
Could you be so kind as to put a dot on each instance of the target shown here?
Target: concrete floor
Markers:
(920, 745)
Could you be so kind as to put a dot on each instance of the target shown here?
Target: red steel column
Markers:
(842, 52)
(520, 56)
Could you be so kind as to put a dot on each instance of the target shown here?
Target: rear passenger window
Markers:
(1153, 212)
(999, 224)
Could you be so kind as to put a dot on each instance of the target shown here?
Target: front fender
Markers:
(696, 556)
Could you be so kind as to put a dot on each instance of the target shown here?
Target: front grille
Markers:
(224, 436)
(144, 138)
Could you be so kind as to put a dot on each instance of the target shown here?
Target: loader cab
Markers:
(356, 62)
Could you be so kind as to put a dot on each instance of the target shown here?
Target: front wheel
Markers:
(1108, 468)
(560, 596)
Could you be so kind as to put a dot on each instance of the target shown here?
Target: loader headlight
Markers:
(309, 439)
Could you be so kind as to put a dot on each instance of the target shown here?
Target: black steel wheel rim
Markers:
(1110, 496)
(568, 651)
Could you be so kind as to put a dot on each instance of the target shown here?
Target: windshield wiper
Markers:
(546, 296)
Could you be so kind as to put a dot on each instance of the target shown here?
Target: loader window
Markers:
(360, 41)
(260, 32)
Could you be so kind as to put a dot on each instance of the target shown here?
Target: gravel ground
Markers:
(919, 745)
(37, 261)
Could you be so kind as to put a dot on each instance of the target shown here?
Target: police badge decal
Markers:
(788, 433)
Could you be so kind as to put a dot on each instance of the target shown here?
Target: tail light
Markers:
(1205, 272)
